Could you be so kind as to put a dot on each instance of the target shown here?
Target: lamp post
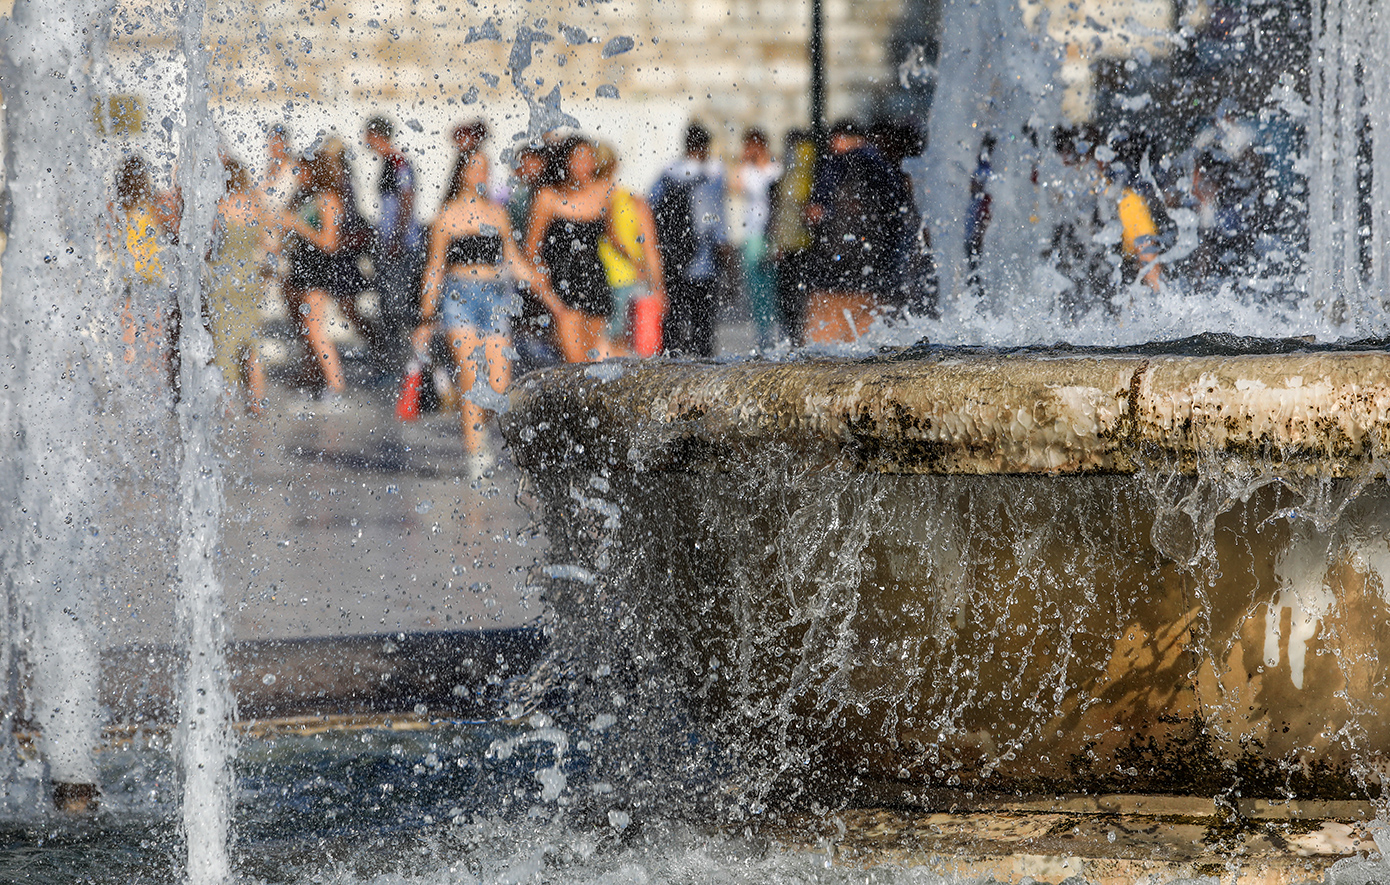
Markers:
(818, 71)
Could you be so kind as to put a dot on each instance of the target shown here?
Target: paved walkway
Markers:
(345, 520)
(341, 521)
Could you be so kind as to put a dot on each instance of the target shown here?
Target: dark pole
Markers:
(818, 71)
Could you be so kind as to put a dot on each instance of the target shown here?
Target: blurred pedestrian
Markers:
(530, 173)
(468, 138)
(979, 214)
(633, 264)
(757, 174)
(567, 223)
(918, 285)
(533, 330)
(313, 230)
(858, 224)
(276, 188)
(688, 205)
(236, 258)
(357, 243)
(468, 293)
(397, 256)
(789, 233)
(148, 301)
(279, 182)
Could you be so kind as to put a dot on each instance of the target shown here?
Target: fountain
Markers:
(59, 542)
(877, 602)
(939, 575)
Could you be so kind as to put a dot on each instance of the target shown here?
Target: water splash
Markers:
(207, 708)
(51, 540)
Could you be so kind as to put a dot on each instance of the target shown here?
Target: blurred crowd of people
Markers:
(1124, 214)
(563, 264)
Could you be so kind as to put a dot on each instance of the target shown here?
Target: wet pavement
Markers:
(339, 519)
(342, 520)
(363, 567)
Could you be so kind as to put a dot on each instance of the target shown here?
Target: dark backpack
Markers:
(862, 236)
(674, 215)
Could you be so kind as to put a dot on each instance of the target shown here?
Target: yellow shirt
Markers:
(142, 242)
(621, 261)
(1140, 234)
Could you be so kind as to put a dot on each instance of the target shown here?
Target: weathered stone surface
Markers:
(1057, 845)
(1125, 573)
(978, 414)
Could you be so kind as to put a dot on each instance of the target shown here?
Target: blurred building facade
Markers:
(633, 71)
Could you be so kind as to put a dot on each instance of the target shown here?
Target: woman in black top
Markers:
(567, 223)
(313, 229)
(466, 291)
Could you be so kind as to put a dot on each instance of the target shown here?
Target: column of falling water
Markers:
(206, 705)
(49, 300)
(1348, 260)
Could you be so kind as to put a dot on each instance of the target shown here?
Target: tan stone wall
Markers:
(729, 64)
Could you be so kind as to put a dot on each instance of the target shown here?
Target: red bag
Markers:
(646, 326)
(408, 401)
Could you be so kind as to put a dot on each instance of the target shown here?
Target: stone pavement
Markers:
(363, 569)
(343, 520)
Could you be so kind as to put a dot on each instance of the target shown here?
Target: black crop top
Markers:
(474, 249)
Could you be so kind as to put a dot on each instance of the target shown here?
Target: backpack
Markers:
(674, 215)
(863, 227)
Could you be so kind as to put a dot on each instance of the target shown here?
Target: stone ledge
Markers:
(1053, 846)
(973, 414)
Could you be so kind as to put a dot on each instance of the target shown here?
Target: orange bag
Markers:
(408, 400)
(646, 326)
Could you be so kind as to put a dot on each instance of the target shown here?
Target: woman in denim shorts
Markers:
(468, 292)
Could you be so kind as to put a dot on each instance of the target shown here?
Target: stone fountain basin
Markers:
(973, 414)
(973, 570)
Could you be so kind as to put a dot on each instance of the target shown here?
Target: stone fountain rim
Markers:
(968, 411)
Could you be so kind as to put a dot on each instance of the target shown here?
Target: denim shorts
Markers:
(485, 305)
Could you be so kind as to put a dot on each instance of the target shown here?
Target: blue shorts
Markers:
(485, 305)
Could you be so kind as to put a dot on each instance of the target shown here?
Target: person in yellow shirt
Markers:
(147, 306)
(1139, 236)
(632, 263)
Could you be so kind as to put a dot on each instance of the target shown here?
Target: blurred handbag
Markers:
(646, 326)
(408, 399)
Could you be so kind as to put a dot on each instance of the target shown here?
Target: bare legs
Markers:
(466, 342)
(582, 337)
(313, 321)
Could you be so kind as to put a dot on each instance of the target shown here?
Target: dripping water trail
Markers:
(205, 743)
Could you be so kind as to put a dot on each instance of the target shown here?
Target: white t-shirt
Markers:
(754, 186)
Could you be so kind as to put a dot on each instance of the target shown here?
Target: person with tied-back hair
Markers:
(313, 228)
(567, 223)
(236, 259)
(468, 139)
(467, 292)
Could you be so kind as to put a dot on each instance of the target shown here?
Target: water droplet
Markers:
(617, 46)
